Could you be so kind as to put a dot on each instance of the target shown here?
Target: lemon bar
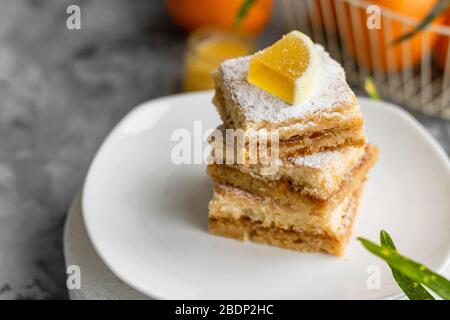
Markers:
(284, 192)
(329, 119)
(318, 175)
(237, 214)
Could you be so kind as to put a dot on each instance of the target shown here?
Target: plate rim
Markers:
(385, 105)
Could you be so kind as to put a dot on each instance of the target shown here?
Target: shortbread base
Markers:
(244, 228)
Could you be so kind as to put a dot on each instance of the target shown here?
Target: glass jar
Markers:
(207, 47)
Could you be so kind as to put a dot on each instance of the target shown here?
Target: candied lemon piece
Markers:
(287, 69)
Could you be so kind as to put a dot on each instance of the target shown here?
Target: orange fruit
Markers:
(192, 14)
(442, 44)
(371, 47)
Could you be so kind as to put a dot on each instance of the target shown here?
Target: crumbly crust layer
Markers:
(286, 194)
(233, 203)
(299, 239)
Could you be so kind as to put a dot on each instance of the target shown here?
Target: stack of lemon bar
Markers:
(307, 198)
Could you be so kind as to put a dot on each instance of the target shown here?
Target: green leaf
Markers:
(439, 8)
(411, 269)
(242, 12)
(371, 89)
(413, 289)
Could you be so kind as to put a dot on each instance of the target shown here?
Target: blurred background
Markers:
(62, 90)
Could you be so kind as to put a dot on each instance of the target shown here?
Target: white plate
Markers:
(147, 217)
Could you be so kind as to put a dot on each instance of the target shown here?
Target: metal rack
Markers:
(407, 73)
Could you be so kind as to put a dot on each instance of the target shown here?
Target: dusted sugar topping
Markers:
(331, 91)
(327, 159)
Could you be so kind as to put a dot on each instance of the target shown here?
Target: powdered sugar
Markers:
(318, 160)
(257, 105)
(326, 159)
